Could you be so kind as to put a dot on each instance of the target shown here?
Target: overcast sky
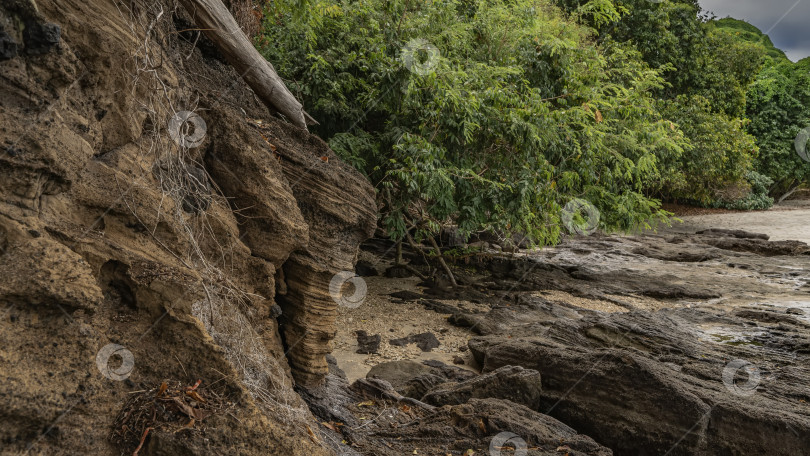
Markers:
(787, 22)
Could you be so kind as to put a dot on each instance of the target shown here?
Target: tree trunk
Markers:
(219, 25)
(442, 262)
(789, 192)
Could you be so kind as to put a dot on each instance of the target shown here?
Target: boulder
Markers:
(513, 383)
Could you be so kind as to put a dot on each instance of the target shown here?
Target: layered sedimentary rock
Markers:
(113, 232)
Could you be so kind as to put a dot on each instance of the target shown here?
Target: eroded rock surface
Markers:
(114, 232)
(684, 344)
(377, 420)
(717, 362)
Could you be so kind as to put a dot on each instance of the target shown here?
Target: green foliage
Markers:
(720, 154)
(518, 112)
(709, 66)
(779, 107)
(673, 35)
(745, 32)
(757, 197)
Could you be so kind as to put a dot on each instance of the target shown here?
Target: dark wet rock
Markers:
(450, 236)
(425, 341)
(768, 316)
(413, 379)
(458, 360)
(406, 295)
(439, 373)
(439, 307)
(40, 38)
(365, 268)
(475, 424)
(740, 234)
(759, 246)
(334, 369)
(651, 382)
(513, 383)
(398, 272)
(398, 373)
(480, 245)
(669, 291)
(8, 47)
(677, 253)
(403, 425)
(638, 381)
(367, 344)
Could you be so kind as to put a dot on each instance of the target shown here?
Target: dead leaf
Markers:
(405, 408)
(163, 387)
(195, 396)
(598, 116)
(325, 159)
(312, 435)
(200, 414)
(366, 404)
(184, 407)
(330, 426)
(482, 426)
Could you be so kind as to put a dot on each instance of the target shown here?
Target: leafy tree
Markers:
(778, 104)
(718, 158)
(508, 111)
(708, 73)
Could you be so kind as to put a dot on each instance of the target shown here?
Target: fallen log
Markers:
(220, 27)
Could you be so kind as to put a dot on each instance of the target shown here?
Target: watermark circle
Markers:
(337, 283)
(801, 144)
(419, 56)
(103, 362)
(589, 212)
(501, 440)
(730, 372)
(178, 125)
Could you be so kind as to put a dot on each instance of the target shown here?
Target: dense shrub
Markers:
(756, 195)
(719, 156)
(510, 110)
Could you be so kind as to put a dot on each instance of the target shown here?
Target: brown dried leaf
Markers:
(312, 435)
(194, 395)
(185, 408)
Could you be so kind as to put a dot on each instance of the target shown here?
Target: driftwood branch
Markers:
(220, 27)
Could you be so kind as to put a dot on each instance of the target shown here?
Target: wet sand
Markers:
(789, 221)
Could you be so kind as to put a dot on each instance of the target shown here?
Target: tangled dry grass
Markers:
(171, 407)
(190, 203)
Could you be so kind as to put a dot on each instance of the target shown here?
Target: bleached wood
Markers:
(220, 27)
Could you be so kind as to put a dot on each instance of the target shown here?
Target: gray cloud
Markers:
(786, 21)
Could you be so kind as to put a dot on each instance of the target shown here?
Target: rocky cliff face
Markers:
(134, 253)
